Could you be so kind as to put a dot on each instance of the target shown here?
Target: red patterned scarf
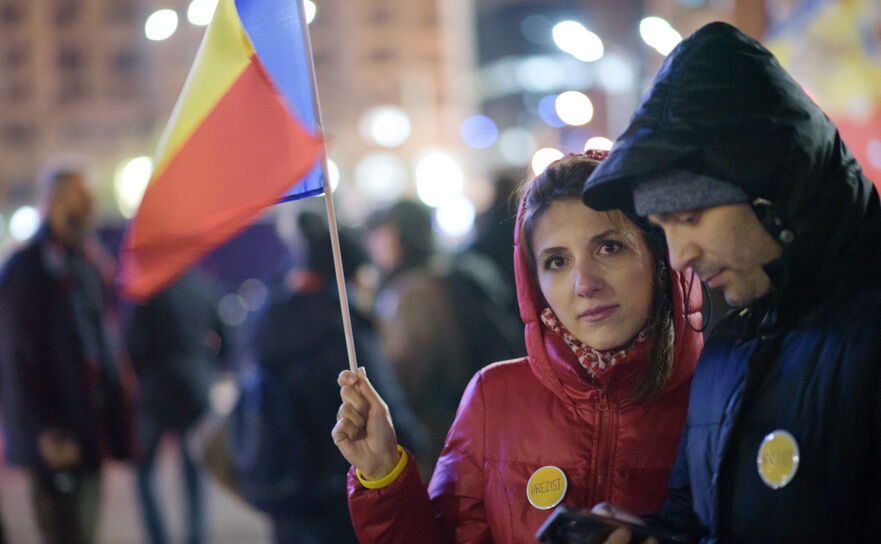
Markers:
(594, 361)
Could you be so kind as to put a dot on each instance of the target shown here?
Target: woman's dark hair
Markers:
(412, 221)
(564, 179)
(319, 254)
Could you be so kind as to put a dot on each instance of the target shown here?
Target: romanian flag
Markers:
(242, 136)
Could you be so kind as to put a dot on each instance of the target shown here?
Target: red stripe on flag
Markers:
(241, 159)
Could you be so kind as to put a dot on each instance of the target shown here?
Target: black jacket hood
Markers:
(721, 106)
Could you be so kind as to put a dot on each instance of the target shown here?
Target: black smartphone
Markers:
(579, 526)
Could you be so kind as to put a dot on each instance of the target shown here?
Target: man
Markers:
(175, 342)
(61, 401)
(758, 195)
(284, 465)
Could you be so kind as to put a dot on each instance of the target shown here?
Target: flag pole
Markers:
(328, 199)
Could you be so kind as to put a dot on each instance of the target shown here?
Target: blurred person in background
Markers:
(283, 462)
(175, 342)
(440, 316)
(494, 233)
(63, 405)
(593, 411)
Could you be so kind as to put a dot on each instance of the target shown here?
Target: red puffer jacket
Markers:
(518, 416)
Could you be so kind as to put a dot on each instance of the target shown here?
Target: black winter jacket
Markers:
(807, 357)
(56, 367)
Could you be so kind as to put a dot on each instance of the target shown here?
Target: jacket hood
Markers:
(722, 107)
(556, 366)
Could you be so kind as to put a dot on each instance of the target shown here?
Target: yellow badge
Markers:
(546, 487)
(778, 459)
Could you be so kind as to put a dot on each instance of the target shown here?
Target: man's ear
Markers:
(772, 220)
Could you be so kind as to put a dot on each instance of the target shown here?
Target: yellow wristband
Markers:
(388, 478)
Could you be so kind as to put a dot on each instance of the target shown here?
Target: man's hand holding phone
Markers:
(621, 535)
(604, 524)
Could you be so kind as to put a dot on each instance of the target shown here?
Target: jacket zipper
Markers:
(762, 357)
(604, 434)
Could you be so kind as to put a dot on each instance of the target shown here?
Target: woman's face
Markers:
(596, 276)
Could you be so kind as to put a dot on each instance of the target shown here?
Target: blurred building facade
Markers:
(71, 78)
(79, 78)
(416, 57)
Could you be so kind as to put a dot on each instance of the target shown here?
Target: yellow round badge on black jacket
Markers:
(546, 487)
(778, 459)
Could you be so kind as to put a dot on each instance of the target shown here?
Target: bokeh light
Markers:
(615, 74)
(232, 309)
(873, 150)
(543, 157)
(333, 174)
(439, 178)
(547, 111)
(574, 108)
(24, 223)
(455, 218)
(540, 74)
(537, 29)
(310, 9)
(160, 25)
(478, 132)
(223, 393)
(381, 176)
(573, 38)
(659, 34)
(598, 142)
(516, 146)
(387, 126)
(200, 12)
(254, 294)
(129, 183)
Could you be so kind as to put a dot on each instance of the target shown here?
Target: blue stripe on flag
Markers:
(309, 185)
(276, 33)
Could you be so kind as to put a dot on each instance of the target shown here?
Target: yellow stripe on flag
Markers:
(224, 54)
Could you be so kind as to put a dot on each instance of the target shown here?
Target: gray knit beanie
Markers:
(682, 190)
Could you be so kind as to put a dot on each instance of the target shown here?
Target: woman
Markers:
(601, 396)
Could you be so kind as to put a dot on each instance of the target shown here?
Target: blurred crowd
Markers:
(86, 376)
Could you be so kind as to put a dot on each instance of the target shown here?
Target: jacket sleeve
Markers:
(458, 485)
(403, 511)
(399, 512)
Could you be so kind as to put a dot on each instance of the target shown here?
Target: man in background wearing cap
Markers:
(757, 193)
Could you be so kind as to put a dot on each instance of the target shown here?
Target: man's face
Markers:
(70, 212)
(725, 245)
